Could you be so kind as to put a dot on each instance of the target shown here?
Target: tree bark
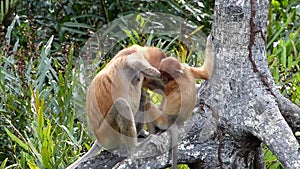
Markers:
(237, 110)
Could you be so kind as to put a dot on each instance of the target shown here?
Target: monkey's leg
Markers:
(126, 123)
(156, 116)
(205, 71)
(140, 122)
(91, 153)
(140, 116)
(174, 141)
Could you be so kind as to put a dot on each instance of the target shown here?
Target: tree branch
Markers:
(270, 127)
(289, 110)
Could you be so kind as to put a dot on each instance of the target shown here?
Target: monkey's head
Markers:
(154, 55)
(170, 69)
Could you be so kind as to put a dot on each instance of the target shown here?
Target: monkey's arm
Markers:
(138, 62)
(162, 121)
(206, 70)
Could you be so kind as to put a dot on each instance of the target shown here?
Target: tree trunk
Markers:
(237, 110)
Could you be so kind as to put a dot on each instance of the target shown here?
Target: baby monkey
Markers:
(113, 98)
(180, 95)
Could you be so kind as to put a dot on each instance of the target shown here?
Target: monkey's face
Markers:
(166, 77)
(170, 69)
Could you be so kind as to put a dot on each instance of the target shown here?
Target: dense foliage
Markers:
(42, 101)
(284, 47)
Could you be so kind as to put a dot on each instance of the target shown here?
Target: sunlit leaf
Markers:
(3, 163)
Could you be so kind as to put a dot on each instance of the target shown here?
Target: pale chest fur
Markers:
(128, 86)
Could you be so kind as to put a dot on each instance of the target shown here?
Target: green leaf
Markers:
(275, 4)
(34, 150)
(276, 74)
(16, 139)
(24, 158)
(283, 27)
(15, 48)
(10, 29)
(63, 154)
(193, 33)
(140, 21)
(77, 25)
(32, 165)
(136, 34)
(283, 53)
(40, 118)
(74, 141)
(128, 33)
(285, 3)
(48, 46)
(45, 156)
(290, 62)
(150, 38)
(71, 30)
(3, 164)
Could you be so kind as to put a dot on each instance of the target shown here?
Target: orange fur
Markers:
(180, 95)
(113, 97)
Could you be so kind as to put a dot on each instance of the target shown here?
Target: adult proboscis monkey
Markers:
(114, 94)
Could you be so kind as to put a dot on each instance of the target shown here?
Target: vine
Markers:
(253, 32)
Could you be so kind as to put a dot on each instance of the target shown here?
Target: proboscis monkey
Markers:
(114, 94)
(180, 95)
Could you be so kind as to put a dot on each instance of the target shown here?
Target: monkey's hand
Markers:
(151, 72)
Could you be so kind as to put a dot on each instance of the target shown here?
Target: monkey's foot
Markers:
(155, 144)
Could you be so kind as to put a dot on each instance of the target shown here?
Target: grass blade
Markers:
(16, 139)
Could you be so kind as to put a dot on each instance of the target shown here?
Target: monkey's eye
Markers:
(136, 79)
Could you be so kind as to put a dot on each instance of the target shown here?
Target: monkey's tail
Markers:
(174, 141)
(92, 152)
(206, 70)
